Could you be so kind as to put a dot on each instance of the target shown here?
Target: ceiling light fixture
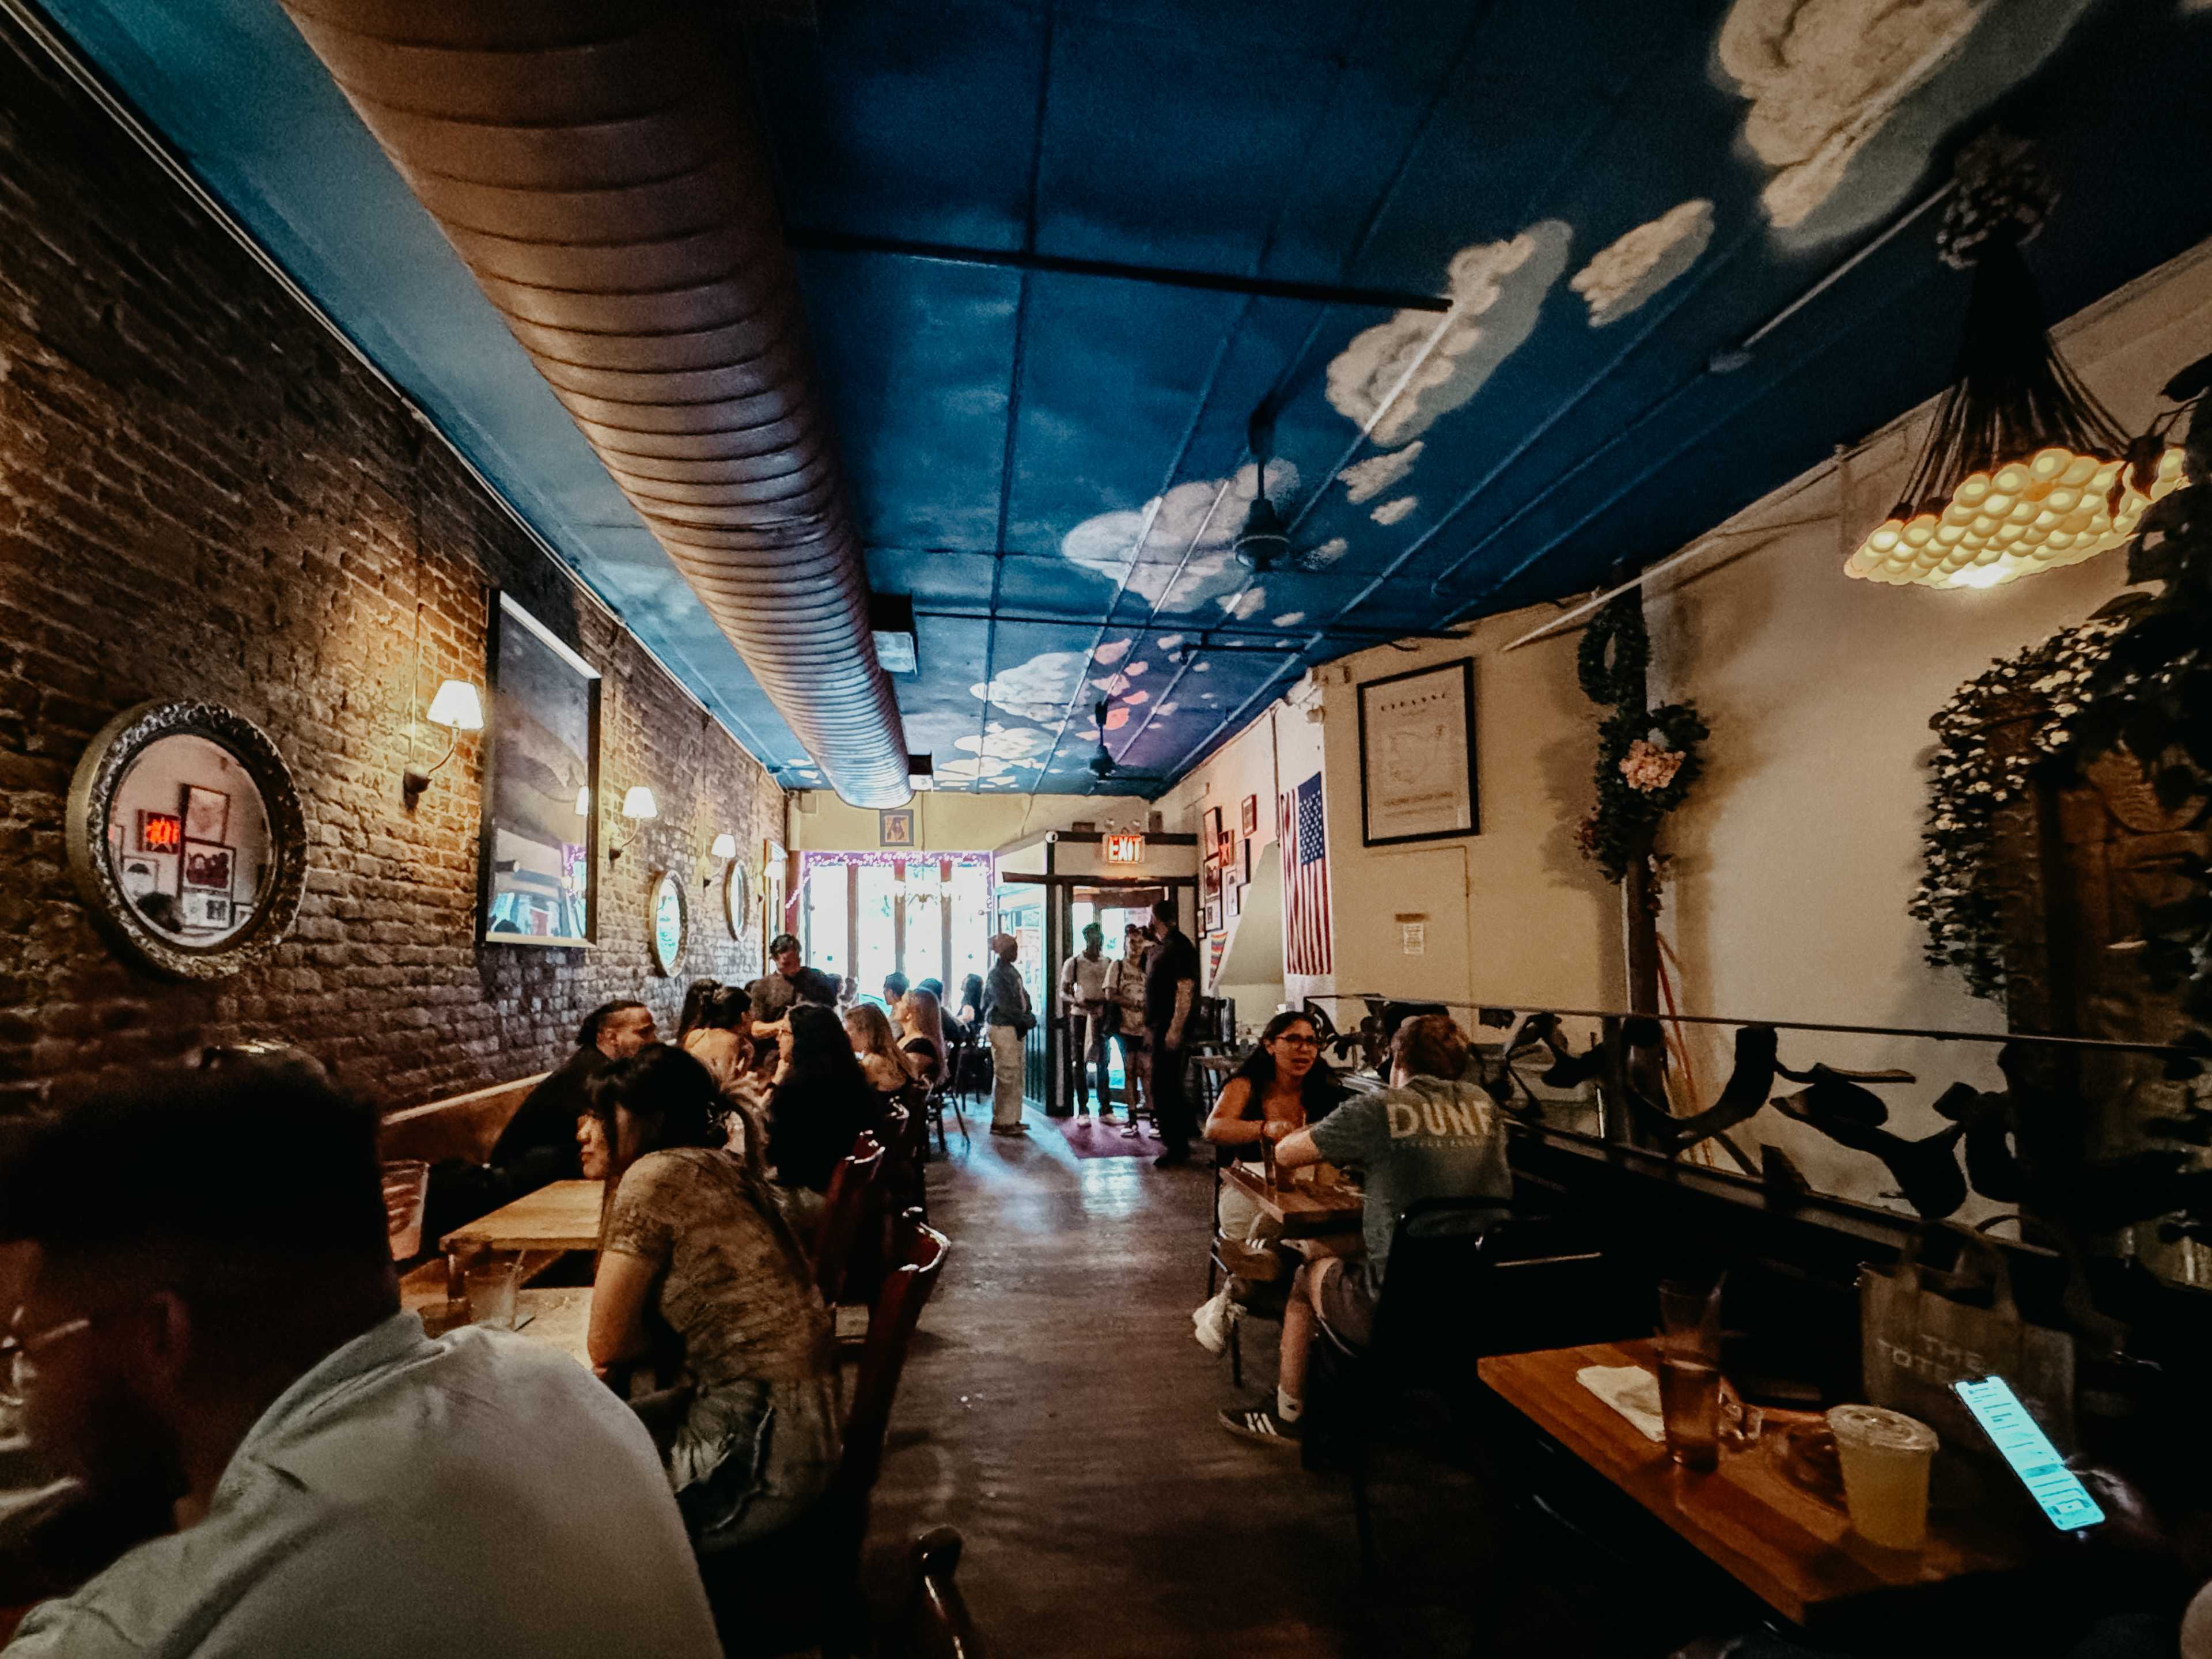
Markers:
(2023, 471)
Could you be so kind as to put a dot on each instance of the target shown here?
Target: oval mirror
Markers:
(668, 922)
(187, 837)
(737, 898)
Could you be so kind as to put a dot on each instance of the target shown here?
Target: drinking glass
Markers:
(1690, 1373)
(406, 1183)
(491, 1286)
(1885, 1456)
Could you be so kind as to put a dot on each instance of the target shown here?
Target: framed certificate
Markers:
(1417, 764)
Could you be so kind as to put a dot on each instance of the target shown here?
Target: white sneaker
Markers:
(1210, 1322)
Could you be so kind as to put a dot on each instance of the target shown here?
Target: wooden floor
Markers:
(1057, 1412)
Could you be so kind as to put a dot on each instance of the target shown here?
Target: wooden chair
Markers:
(937, 1623)
(844, 1213)
(799, 1587)
(1226, 1258)
(951, 1092)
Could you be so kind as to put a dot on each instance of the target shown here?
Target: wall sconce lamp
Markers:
(638, 806)
(457, 709)
(725, 848)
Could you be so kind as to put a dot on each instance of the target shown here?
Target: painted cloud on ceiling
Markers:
(1038, 689)
(1639, 264)
(1175, 551)
(1364, 480)
(1395, 379)
(1863, 91)
(998, 752)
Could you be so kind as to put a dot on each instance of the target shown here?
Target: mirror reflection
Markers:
(188, 840)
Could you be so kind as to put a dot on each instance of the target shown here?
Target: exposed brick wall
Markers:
(201, 495)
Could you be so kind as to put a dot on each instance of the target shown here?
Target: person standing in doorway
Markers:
(1007, 1016)
(1171, 993)
(1125, 986)
(1082, 995)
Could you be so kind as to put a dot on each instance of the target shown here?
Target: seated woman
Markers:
(716, 1032)
(821, 1103)
(921, 1036)
(875, 1045)
(1282, 1087)
(700, 1274)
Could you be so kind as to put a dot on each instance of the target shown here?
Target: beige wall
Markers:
(1795, 858)
(950, 822)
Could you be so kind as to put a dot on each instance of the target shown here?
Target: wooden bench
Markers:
(463, 1125)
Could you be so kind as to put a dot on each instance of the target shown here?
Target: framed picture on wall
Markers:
(894, 827)
(1212, 922)
(538, 855)
(1416, 762)
(1245, 869)
(206, 813)
(207, 869)
(1210, 830)
(160, 832)
(1233, 900)
(1209, 879)
(1248, 819)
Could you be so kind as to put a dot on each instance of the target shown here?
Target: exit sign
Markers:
(1125, 849)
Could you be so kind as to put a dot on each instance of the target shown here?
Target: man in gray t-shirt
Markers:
(1430, 1136)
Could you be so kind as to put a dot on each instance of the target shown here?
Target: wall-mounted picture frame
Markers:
(1417, 759)
(894, 827)
(140, 877)
(206, 813)
(1244, 873)
(1210, 830)
(1213, 915)
(208, 869)
(1248, 817)
(540, 846)
(1233, 900)
(1209, 879)
(213, 911)
(160, 832)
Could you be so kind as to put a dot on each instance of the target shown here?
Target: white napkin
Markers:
(1632, 1391)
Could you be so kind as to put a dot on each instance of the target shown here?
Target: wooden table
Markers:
(1790, 1548)
(1301, 1212)
(563, 1216)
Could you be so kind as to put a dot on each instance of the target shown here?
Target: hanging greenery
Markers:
(1647, 758)
(2136, 678)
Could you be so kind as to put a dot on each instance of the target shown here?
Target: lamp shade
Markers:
(639, 804)
(457, 706)
(725, 846)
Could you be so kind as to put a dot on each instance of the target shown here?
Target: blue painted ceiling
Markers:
(1053, 463)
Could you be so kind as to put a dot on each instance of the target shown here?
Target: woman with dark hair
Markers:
(697, 995)
(715, 1033)
(971, 1003)
(701, 1277)
(1282, 1087)
(821, 1103)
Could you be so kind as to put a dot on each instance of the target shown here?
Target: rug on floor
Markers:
(1092, 1140)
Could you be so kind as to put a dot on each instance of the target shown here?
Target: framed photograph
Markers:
(1213, 915)
(1234, 900)
(894, 827)
(1416, 762)
(207, 869)
(1245, 870)
(206, 813)
(1209, 879)
(1248, 819)
(1232, 860)
(212, 910)
(1210, 830)
(140, 877)
(538, 855)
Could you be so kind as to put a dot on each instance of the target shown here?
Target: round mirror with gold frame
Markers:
(667, 921)
(188, 838)
(737, 897)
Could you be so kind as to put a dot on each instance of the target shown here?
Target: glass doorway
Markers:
(868, 915)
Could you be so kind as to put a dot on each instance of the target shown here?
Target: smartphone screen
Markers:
(2030, 1453)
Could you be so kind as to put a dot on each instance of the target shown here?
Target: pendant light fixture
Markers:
(2024, 470)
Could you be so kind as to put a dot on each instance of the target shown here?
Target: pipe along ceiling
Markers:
(597, 165)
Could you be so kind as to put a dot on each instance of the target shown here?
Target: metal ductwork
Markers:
(597, 164)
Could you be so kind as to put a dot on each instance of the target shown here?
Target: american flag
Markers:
(1305, 879)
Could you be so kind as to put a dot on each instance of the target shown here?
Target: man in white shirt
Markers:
(1083, 994)
(211, 1304)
